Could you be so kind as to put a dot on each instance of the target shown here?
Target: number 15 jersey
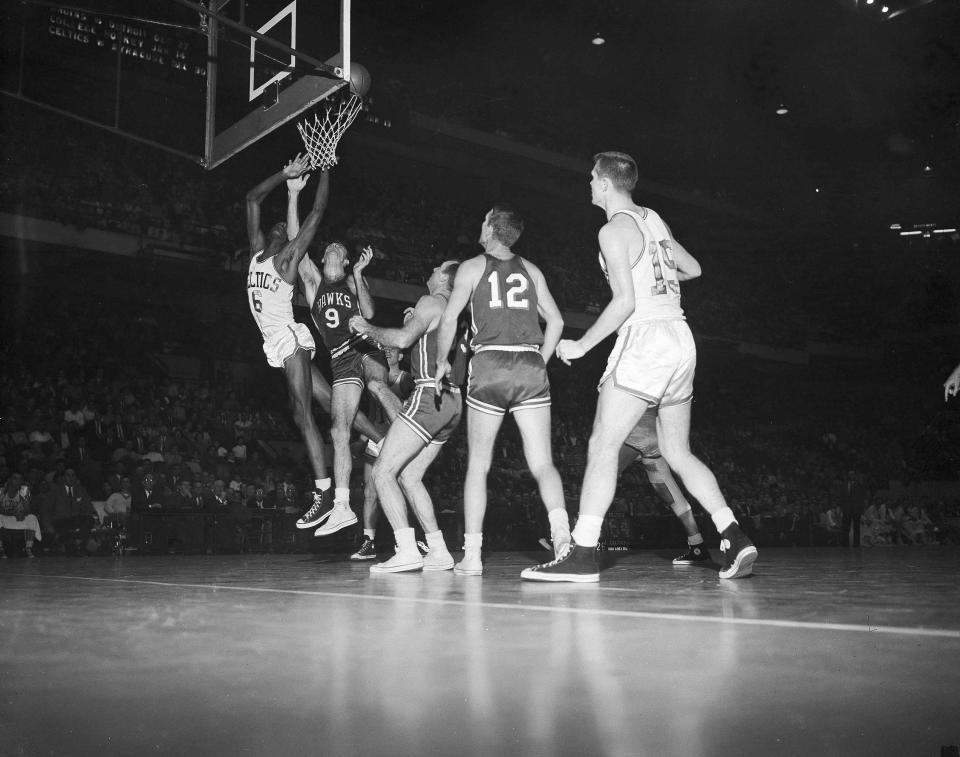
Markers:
(503, 308)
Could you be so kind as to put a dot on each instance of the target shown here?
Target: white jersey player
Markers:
(652, 365)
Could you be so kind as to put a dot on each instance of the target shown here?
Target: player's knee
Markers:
(409, 482)
(542, 468)
(382, 473)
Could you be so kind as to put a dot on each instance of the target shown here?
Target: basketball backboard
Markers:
(201, 79)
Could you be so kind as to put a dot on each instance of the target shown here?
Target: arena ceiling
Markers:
(692, 89)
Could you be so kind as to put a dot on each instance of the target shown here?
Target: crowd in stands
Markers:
(99, 433)
(783, 292)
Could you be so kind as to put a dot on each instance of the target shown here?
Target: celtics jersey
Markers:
(270, 297)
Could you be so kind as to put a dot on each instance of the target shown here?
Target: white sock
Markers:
(472, 542)
(341, 496)
(559, 520)
(322, 483)
(435, 541)
(406, 541)
(370, 533)
(694, 540)
(587, 531)
(723, 519)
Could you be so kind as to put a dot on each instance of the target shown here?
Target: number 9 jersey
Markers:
(503, 308)
(332, 309)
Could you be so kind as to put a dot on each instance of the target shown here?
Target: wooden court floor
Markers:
(821, 652)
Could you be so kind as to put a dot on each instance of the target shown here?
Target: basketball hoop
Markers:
(321, 136)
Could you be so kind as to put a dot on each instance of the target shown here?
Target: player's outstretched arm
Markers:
(615, 251)
(548, 310)
(463, 286)
(294, 187)
(362, 290)
(425, 317)
(688, 267)
(256, 195)
(288, 259)
(952, 385)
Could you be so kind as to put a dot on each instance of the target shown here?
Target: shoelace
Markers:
(564, 554)
(314, 509)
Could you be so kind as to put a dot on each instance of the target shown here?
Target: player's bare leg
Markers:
(667, 488)
(534, 426)
(378, 384)
(411, 480)
(617, 414)
(344, 400)
(297, 371)
(482, 429)
(673, 430)
(322, 395)
(404, 458)
(371, 508)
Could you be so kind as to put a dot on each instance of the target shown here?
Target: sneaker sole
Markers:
(743, 565)
(338, 527)
(692, 562)
(464, 572)
(576, 578)
(363, 557)
(444, 566)
(409, 567)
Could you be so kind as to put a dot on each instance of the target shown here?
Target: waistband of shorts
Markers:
(432, 382)
(654, 319)
(506, 348)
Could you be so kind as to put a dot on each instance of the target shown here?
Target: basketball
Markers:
(359, 79)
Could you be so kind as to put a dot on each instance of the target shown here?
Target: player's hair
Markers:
(450, 269)
(619, 168)
(506, 223)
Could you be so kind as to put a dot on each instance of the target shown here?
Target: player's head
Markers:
(336, 258)
(612, 172)
(276, 238)
(443, 275)
(502, 224)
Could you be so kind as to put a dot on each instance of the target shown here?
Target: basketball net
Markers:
(321, 136)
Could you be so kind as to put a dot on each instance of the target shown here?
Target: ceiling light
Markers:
(597, 40)
(869, 2)
(884, 9)
(782, 110)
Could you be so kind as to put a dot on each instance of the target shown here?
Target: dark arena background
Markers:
(808, 155)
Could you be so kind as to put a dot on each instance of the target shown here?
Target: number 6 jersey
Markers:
(269, 296)
(503, 308)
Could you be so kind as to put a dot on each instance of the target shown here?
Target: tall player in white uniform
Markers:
(270, 286)
(652, 365)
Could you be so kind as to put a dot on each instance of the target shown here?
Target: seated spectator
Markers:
(15, 514)
(148, 495)
(118, 504)
(260, 501)
(71, 512)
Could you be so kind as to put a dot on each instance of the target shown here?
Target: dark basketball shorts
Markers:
(505, 379)
(432, 421)
(348, 366)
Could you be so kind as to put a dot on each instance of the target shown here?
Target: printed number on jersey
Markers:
(661, 255)
(255, 301)
(332, 317)
(516, 283)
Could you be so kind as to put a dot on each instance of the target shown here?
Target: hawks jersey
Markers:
(503, 307)
(656, 287)
(269, 296)
(332, 309)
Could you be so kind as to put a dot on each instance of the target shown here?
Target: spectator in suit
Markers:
(71, 511)
(15, 514)
(854, 496)
(148, 495)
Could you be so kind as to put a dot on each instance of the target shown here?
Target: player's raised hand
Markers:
(443, 370)
(297, 166)
(952, 385)
(365, 257)
(297, 183)
(359, 324)
(568, 349)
